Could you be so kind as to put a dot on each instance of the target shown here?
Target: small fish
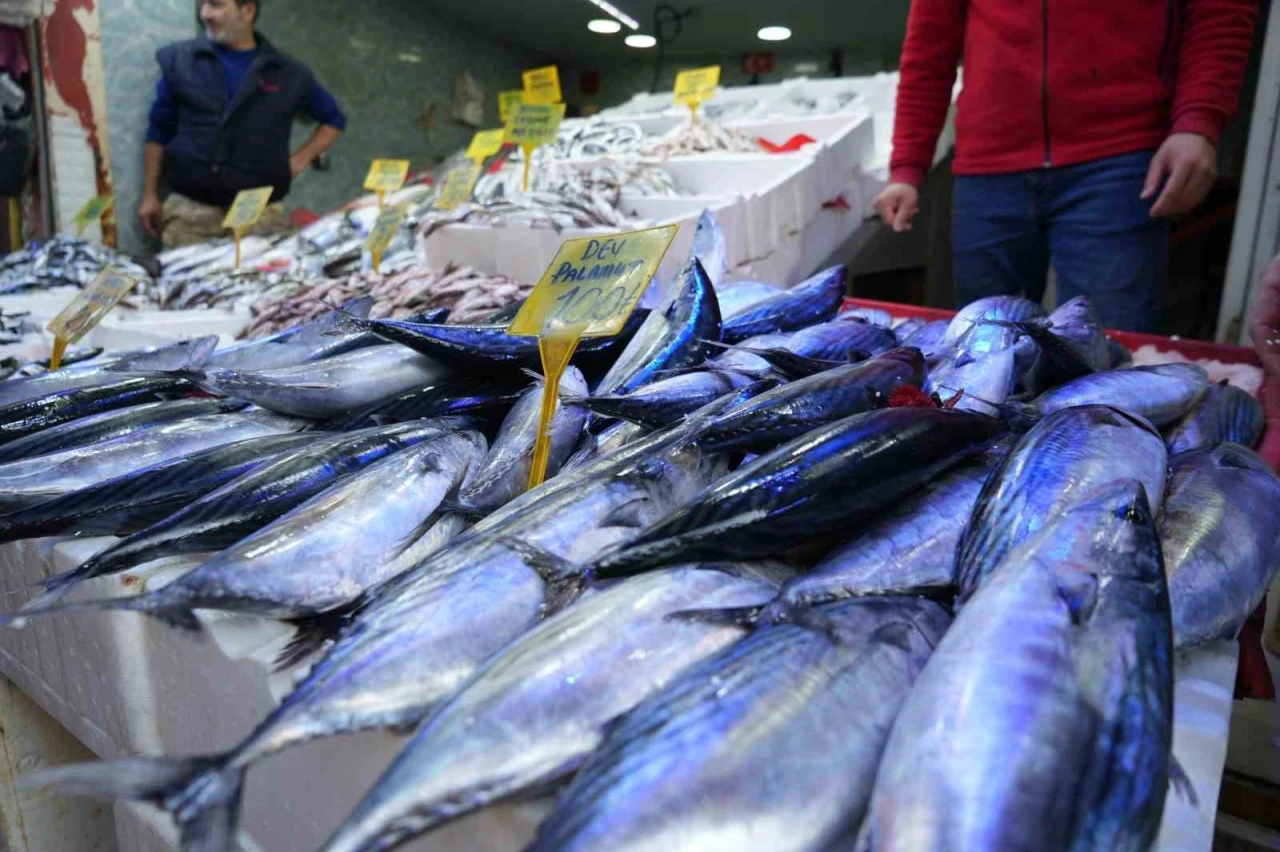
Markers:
(1161, 394)
(740, 751)
(823, 482)
(797, 407)
(815, 300)
(504, 473)
(1225, 414)
(1012, 309)
(1220, 533)
(665, 401)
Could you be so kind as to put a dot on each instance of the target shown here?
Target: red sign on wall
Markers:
(757, 63)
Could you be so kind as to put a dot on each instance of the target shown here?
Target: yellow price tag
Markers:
(87, 309)
(542, 85)
(486, 143)
(247, 208)
(696, 85)
(459, 185)
(386, 175)
(93, 209)
(384, 230)
(508, 99)
(591, 287)
(531, 125)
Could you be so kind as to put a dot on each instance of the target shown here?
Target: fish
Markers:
(28, 482)
(839, 340)
(665, 401)
(504, 473)
(1225, 414)
(1044, 718)
(1071, 343)
(812, 301)
(772, 743)
(709, 248)
(591, 447)
(130, 502)
(1012, 309)
(420, 637)
(332, 387)
(310, 341)
(1220, 533)
(245, 505)
(324, 554)
(1160, 394)
(1066, 457)
(981, 368)
(40, 413)
(929, 340)
(674, 335)
(457, 396)
(107, 370)
(737, 296)
(874, 316)
(112, 424)
(535, 712)
(906, 328)
(797, 407)
(823, 482)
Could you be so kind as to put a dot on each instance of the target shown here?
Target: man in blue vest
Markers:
(224, 108)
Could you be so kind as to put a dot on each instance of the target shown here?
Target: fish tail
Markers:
(743, 616)
(564, 581)
(202, 794)
(176, 614)
(312, 633)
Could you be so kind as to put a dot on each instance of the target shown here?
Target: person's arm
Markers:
(324, 108)
(162, 126)
(927, 74)
(1264, 330)
(1212, 55)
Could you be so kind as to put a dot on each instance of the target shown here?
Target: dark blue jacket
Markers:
(221, 148)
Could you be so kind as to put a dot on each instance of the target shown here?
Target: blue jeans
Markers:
(1087, 221)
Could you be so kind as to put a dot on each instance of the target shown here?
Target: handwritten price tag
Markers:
(384, 230)
(386, 175)
(533, 124)
(247, 209)
(91, 304)
(93, 210)
(459, 185)
(696, 85)
(486, 143)
(542, 85)
(508, 99)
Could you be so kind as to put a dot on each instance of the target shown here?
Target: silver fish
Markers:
(1161, 394)
(591, 447)
(1001, 308)
(981, 367)
(903, 330)
(875, 316)
(1065, 458)
(534, 712)
(665, 401)
(1044, 719)
(737, 296)
(709, 247)
(1221, 537)
(771, 744)
(505, 471)
(1225, 414)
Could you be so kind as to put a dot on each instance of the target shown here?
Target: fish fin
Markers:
(742, 616)
(320, 386)
(627, 515)
(311, 634)
(1181, 784)
(458, 507)
(346, 321)
(174, 614)
(537, 377)
(561, 592)
(358, 307)
(548, 565)
(431, 463)
(716, 343)
(1018, 416)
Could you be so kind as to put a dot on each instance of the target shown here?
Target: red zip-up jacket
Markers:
(1058, 82)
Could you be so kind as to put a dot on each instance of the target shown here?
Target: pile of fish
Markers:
(61, 261)
(701, 137)
(798, 580)
(597, 138)
(467, 294)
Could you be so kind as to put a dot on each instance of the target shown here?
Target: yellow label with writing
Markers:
(247, 208)
(93, 210)
(542, 85)
(386, 175)
(91, 304)
(533, 124)
(486, 143)
(508, 99)
(594, 284)
(697, 85)
(459, 185)
(385, 228)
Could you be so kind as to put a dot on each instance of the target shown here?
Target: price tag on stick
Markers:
(486, 143)
(87, 309)
(384, 231)
(542, 85)
(590, 289)
(93, 210)
(696, 86)
(459, 185)
(245, 212)
(508, 99)
(386, 176)
(531, 125)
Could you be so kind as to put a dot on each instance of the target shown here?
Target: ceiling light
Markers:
(640, 41)
(773, 34)
(604, 26)
(616, 13)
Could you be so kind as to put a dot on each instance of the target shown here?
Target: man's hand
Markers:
(897, 204)
(1264, 327)
(299, 163)
(1191, 162)
(151, 212)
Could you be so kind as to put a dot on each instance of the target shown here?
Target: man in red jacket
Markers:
(1081, 127)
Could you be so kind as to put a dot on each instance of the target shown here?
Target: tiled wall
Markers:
(384, 64)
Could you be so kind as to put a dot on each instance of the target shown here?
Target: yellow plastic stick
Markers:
(59, 349)
(556, 353)
(239, 233)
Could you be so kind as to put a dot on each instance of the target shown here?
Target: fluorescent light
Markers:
(773, 34)
(604, 26)
(640, 41)
(616, 13)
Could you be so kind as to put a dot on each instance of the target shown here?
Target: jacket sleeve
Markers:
(927, 74)
(1216, 39)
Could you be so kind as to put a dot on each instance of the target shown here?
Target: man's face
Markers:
(226, 21)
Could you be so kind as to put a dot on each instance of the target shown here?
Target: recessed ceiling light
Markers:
(640, 41)
(604, 26)
(616, 13)
(773, 34)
